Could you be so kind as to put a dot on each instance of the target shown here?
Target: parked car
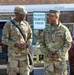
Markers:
(3, 48)
(3, 51)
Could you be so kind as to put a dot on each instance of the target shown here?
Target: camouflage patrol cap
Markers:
(54, 12)
(20, 9)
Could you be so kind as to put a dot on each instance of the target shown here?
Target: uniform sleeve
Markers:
(6, 35)
(29, 38)
(42, 43)
(67, 44)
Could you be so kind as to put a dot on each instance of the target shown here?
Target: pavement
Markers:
(38, 71)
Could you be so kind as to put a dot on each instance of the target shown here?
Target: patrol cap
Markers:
(54, 12)
(20, 9)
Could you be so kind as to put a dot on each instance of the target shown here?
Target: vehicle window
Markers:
(0, 35)
(1, 27)
(3, 48)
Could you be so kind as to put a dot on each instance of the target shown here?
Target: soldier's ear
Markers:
(57, 17)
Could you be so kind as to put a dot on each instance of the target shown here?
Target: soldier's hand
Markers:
(16, 45)
(49, 54)
(21, 46)
(52, 55)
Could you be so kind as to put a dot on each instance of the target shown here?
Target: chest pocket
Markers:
(59, 37)
(14, 31)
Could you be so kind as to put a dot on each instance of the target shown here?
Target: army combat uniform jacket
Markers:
(56, 39)
(12, 35)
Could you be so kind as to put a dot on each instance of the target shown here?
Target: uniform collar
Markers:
(18, 23)
(56, 27)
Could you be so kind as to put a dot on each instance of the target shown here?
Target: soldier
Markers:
(18, 47)
(55, 42)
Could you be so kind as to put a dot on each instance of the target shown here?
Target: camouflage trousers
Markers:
(55, 68)
(18, 65)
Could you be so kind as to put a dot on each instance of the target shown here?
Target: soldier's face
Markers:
(52, 19)
(21, 17)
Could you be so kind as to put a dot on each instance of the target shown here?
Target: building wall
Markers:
(65, 18)
(17, 2)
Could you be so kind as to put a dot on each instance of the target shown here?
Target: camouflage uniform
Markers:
(18, 61)
(55, 39)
